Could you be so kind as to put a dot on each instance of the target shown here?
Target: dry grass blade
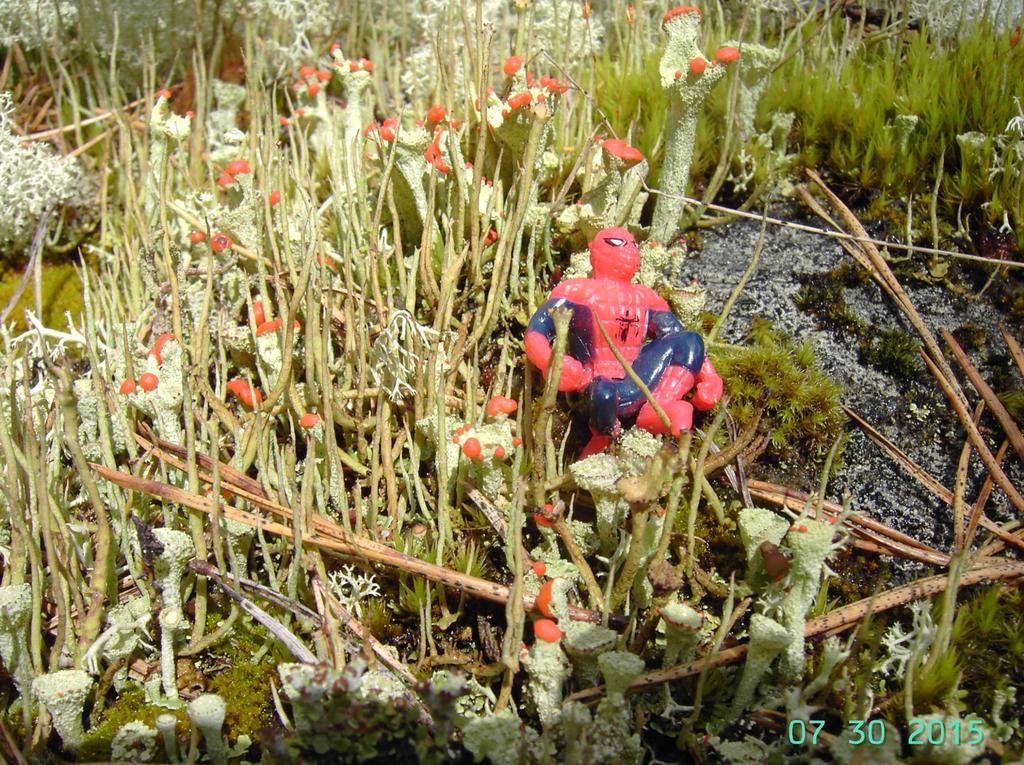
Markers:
(278, 630)
(991, 399)
(916, 471)
(1014, 347)
(980, 446)
(828, 624)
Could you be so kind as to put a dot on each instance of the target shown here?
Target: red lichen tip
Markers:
(366, 65)
(307, 71)
(547, 630)
(127, 387)
(512, 65)
(544, 597)
(158, 346)
(501, 405)
(679, 75)
(472, 449)
(539, 568)
(274, 197)
(309, 420)
(220, 242)
(268, 326)
(679, 10)
(519, 100)
(259, 314)
(619, 148)
(436, 113)
(323, 75)
(697, 65)
(727, 54)
(313, 89)
(238, 167)
(245, 392)
(164, 93)
(517, 441)
(196, 237)
(499, 452)
(282, 121)
(148, 381)
(226, 179)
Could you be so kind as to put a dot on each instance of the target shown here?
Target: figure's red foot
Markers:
(597, 444)
(680, 414)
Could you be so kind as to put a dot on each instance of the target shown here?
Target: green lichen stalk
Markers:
(768, 639)
(688, 77)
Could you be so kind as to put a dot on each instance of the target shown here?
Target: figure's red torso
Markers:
(624, 311)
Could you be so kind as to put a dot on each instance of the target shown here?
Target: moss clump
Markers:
(802, 413)
(823, 296)
(988, 637)
(893, 351)
(61, 291)
(130, 705)
(245, 689)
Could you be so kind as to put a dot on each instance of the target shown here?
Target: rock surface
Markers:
(913, 413)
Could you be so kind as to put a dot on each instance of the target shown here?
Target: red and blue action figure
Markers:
(668, 358)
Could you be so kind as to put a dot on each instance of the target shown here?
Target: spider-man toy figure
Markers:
(670, 364)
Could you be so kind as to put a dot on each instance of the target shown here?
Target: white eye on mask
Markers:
(614, 241)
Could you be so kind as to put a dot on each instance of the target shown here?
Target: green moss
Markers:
(893, 351)
(128, 706)
(61, 291)
(245, 689)
(970, 336)
(802, 414)
(988, 634)
(826, 301)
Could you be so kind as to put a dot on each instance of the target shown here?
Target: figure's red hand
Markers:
(709, 387)
(538, 351)
(574, 377)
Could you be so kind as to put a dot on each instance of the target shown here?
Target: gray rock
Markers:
(913, 414)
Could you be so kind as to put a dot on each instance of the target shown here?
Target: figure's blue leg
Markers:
(604, 405)
(683, 350)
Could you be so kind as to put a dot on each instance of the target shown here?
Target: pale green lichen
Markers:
(167, 724)
(768, 639)
(682, 630)
(500, 738)
(755, 65)
(548, 669)
(64, 693)
(585, 643)
(687, 93)
(15, 612)
(33, 178)
(759, 525)
(134, 742)
(207, 715)
(126, 624)
(598, 474)
(810, 543)
(611, 735)
(222, 134)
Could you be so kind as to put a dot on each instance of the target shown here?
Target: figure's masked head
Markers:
(614, 254)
